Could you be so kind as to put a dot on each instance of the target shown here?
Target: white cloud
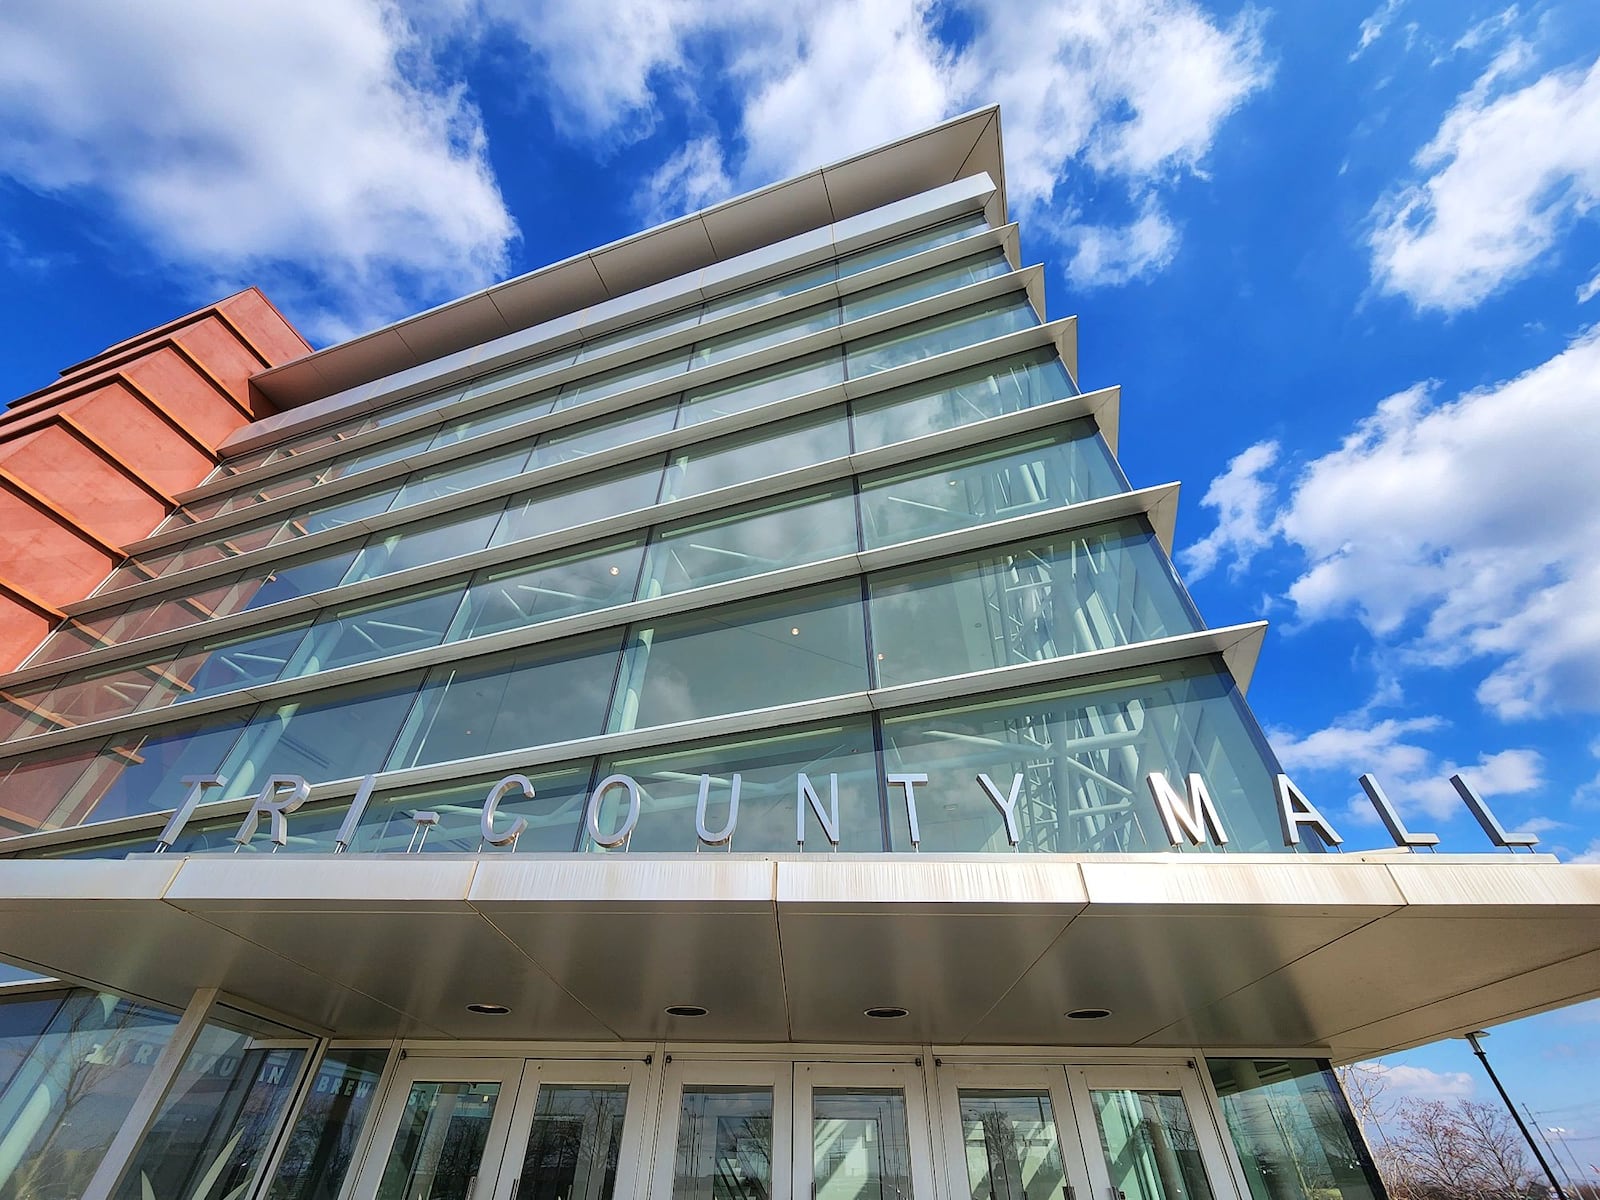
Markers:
(1591, 855)
(1508, 173)
(1588, 290)
(1113, 254)
(1245, 520)
(1411, 775)
(303, 145)
(1466, 529)
(691, 179)
(1422, 1082)
(1374, 26)
(1453, 531)
(1129, 93)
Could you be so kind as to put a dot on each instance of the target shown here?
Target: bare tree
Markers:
(1439, 1150)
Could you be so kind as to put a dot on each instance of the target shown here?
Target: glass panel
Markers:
(859, 1146)
(765, 386)
(939, 335)
(623, 379)
(1013, 1151)
(430, 541)
(820, 526)
(338, 513)
(530, 594)
(1038, 600)
(567, 505)
(21, 714)
(553, 813)
(396, 413)
(322, 1144)
(914, 243)
(522, 373)
(769, 333)
(134, 571)
(608, 343)
(575, 1143)
(268, 489)
(756, 454)
(724, 1144)
(762, 292)
(1294, 1131)
(73, 637)
(960, 490)
(342, 733)
(767, 765)
(607, 433)
(142, 771)
(456, 477)
(1150, 1147)
(934, 282)
(438, 1148)
(757, 654)
(240, 463)
(500, 417)
(70, 1069)
(356, 633)
(297, 577)
(227, 664)
(241, 539)
(36, 790)
(97, 695)
(1083, 752)
(532, 696)
(211, 1135)
(950, 401)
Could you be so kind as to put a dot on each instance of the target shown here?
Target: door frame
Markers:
(907, 1077)
(679, 1073)
(1216, 1160)
(536, 1072)
(1049, 1078)
(507, 1072)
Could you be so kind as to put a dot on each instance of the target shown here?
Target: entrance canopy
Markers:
(1349, 955)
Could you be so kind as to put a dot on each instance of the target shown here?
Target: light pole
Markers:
(1472, 1039)
(1561, 1136)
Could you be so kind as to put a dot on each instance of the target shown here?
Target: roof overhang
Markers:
(963, 146)
(1343, 955)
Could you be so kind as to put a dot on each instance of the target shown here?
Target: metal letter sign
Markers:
(724, 835)
(1191, 818)
(805, 793)
(518, 826)
(273, 801)
(1391, 819)
(1294, 810)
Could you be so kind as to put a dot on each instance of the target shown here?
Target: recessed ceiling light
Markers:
(795, 632)
(1089, 1014)
(616, 570)
(887, 1013)
(685, 1010)
(488, 1010)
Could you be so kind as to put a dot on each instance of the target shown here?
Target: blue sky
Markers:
(1343, 260)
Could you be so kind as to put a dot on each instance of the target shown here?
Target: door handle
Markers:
(472, 1186)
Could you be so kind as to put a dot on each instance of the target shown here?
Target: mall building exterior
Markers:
(707, 720)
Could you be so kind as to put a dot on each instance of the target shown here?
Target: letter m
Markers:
(1186, 816)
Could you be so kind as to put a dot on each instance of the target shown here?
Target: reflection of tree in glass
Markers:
(74, 1089)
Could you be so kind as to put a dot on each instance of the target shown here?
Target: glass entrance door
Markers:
(442, 1130)
(506, 1129)
(860, 1133)
(1008, 1134)
(1146, 1135)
